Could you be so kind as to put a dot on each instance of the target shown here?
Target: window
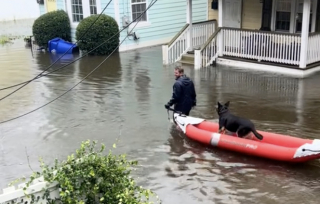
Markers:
(80, 9)
(93, 7)
(299, 16)
(77, 11)
(283, 15)
(138, 7)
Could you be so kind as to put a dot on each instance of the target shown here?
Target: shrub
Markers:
(102, 30)
(90, 176)
(51, 25)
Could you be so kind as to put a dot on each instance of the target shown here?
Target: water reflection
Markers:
(124, 99)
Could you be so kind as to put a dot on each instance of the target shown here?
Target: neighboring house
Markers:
(161, 22)
(275, 35)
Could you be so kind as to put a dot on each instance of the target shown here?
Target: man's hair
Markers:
(180, 69)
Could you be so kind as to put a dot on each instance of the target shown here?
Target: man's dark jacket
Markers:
(184, 95)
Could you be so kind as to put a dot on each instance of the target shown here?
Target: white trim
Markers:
(45, 6)
(189, 21)
(136, 44)
(99, 9)
(208, 10)
(305, 33)
(220, 14)
(85, 10)
(141, 23)
(240, 65)
(117, 12)
(293, 11)
(65, 5)
(314, 15)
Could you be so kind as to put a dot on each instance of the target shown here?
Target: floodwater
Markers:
(125, 99)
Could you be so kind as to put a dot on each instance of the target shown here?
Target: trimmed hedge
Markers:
(51, 25)
(102, 30)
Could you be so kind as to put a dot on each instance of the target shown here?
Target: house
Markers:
(160, 23)
(273, 35)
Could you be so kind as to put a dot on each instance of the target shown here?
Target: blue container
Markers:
(59, 45)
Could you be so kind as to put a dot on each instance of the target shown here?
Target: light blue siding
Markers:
(166, 18)
(42, 9)
(110, 9)
(60, 5)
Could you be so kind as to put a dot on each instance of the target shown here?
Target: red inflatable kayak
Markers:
(273, 146)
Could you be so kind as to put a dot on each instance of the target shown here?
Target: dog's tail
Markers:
(259, 136)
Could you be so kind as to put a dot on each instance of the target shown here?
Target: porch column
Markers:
(189, 21)
(305, 33)
(314, 15)
(220, 24)
(220, 17)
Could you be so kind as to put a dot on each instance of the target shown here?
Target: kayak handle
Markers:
(180, 113)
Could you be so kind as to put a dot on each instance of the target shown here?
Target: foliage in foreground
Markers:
(92, 177)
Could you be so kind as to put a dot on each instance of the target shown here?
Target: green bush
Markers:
(51, 25)
(102, 30)
(91, 176)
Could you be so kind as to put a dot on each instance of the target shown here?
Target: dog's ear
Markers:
(227, 104)
(219, 104)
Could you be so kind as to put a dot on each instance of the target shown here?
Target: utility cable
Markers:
(85, 76)
(62, 67)
(59, 57)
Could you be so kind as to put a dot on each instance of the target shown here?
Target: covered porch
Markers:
(268, 32)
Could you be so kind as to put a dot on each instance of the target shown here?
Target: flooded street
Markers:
(125, 99)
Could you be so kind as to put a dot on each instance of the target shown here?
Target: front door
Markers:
(232, 13)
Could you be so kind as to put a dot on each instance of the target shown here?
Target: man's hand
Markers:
(167, 106)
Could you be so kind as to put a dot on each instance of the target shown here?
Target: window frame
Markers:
(140, 23)
(86, 11)
(294, 12)
(281, 10)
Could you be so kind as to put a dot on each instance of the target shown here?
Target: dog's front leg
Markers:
(222, 130)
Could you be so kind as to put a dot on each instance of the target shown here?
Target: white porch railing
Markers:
(178, 46)
(251, 44)
(313, 54)
(262, 46)
(201, 32)
(208, 52)
(16, 195)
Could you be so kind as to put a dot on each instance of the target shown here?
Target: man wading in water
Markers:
(184, 94)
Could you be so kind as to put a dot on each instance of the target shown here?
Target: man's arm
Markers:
(176, 94)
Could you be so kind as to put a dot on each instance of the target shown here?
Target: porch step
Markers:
(187, 59)
(186, 62)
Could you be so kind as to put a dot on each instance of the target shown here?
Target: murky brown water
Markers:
(125, 98)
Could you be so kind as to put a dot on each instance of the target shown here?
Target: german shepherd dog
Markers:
(232, 123)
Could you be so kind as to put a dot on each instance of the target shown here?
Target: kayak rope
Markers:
(180, 114)
(310, 150)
